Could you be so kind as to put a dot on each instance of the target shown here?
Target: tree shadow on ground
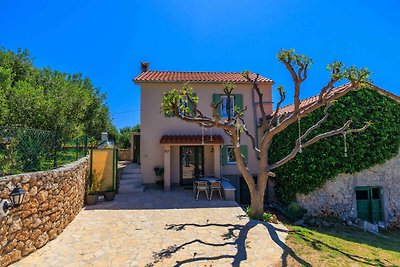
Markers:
(236, 236)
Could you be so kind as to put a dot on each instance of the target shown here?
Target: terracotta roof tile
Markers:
(201, 76)
(191, 139)
(311, 100)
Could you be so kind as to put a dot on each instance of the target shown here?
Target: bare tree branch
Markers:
(318, 124)
(282, 95)
(256, 88)
(297, 81)
(315, 139)
(246, 131)
(306, 111)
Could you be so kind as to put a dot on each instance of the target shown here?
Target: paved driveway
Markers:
(156, 228)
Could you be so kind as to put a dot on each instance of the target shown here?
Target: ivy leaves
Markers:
(325, 160)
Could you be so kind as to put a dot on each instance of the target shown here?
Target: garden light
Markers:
(15, 200)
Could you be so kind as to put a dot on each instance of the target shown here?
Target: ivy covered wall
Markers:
(324, 160)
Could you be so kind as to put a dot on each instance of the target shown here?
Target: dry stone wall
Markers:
(337, 197)
(53, 199)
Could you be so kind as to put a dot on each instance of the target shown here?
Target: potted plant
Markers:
(159, 174)
(109, 194)
(92, 189)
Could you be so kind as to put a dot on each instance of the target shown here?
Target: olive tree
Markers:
(183, 104)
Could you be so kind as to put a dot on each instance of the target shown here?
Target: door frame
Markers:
(180, 160)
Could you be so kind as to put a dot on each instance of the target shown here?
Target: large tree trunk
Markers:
(257, 204)
(257, 195)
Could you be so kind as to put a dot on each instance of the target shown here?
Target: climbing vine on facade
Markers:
(323, 161)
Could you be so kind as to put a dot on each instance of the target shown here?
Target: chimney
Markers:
(144, 66)
(104, 137)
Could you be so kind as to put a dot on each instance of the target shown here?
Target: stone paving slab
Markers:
(157, 228)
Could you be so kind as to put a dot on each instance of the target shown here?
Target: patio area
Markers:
(157, 228)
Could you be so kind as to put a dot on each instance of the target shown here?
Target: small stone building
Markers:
(372, 194)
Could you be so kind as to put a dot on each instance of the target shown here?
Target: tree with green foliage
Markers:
(183, 104)
(47, 99)
(125, 133)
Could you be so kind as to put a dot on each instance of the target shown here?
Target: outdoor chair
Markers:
(215, 186)
(201, 186)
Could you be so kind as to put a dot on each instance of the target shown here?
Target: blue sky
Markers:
(106, 40)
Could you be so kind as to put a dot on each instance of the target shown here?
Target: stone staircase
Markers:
(131, 180)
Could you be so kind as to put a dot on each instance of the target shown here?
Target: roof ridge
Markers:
(335, 89)
(311, 97)
(196, 76)
(196, 71)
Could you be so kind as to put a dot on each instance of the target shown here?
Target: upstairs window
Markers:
(224, 106)
(183, 110)
(236, 101)
(185, 104)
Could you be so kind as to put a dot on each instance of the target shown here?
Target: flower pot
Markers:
(109, 196)
(92, 199)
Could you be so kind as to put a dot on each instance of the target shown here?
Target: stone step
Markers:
(130, 183)
(131, 176)
(132, 168)
(131, 171)
(131, 180)
(129, 190)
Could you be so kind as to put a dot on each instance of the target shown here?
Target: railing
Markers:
(29, 150)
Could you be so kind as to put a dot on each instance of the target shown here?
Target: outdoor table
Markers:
(208, 179)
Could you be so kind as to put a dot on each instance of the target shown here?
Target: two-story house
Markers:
(186, 150)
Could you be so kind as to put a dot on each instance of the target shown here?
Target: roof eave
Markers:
(138, 82)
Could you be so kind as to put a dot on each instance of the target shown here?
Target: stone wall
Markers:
(337, 197)
(52, 200)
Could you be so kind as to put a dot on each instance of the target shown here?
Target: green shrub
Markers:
(266, 217)
(294, 211)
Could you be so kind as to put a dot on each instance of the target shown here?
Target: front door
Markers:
(191, 163)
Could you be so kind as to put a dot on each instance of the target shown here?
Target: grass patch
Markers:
(342, 246)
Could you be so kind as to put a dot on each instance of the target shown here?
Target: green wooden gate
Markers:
(369, 206)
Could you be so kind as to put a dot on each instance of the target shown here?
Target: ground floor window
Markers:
(230, 156)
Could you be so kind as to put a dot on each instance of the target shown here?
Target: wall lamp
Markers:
(15, 200)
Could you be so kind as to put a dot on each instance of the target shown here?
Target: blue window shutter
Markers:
(191, 107)
(216, 99)
(244, 152)
(224, 152)
(239, 101)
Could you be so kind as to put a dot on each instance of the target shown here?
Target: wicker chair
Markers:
(201, 186)
(216, 186)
